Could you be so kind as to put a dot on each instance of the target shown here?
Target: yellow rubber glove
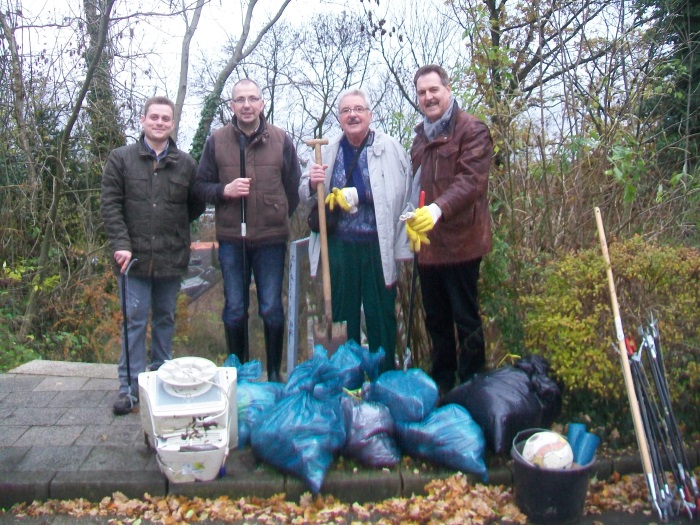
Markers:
(336, 197)
(422, 221)
(415, 239)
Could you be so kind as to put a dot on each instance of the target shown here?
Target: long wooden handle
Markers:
(323, 232)
(620, 335)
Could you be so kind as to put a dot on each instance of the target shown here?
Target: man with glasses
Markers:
(369, 176)
(451, 155)
(263, 191)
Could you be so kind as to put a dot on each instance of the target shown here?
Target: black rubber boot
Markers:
(274, 342)
(236, 342)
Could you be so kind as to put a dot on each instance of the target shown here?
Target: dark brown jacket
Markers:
(273, 167)
(454, 175)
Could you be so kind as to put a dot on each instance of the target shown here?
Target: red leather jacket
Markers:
(454, 175)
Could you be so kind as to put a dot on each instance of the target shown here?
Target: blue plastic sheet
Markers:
(448, 437)
(254, 401)
(410, 396)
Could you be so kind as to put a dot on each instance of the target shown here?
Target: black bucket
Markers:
(548, 496)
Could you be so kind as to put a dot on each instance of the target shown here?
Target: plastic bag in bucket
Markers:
(548, 496)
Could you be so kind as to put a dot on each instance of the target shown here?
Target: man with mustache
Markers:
(369, 176)
(147, 205)
(451, 156)
(268, 194)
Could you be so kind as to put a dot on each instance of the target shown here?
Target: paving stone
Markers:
(43, 367)
(11, 435)
(77, 398)
(85, 416)
(27, 399)
(47, 436)
(53, 458)
(13, 383)
(108, 385)
(31, 416)
(10, 457)
(112, 457)
(95, 485)
(117, 435)
(61, 383)
(24, 487)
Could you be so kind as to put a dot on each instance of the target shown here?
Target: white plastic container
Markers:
(191, 426)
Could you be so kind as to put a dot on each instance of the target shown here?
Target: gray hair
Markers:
(354, 92)
(247, 81)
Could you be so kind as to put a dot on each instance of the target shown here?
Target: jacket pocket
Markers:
(274, 210)
(177, 188)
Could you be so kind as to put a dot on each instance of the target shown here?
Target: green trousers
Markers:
(357, 281)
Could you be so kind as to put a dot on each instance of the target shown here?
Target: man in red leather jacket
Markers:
(451, 156)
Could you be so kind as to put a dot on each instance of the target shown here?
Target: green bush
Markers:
(568, 320)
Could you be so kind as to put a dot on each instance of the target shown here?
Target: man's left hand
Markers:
(415, 238)
(424, 218)
(346, 198)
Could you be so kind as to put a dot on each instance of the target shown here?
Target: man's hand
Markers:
(239, 187)
(424, 218)
(346, 198)
(122, 257)
(415, 238)
(317, 173)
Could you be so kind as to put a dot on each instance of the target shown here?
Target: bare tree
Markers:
(103, 20)
(243, 47)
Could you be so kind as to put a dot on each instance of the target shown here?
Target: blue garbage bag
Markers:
(254, 401)
(370, 433)
(410, 395)
(317, 375)
(448, 437)
(305, 430)
(355, 362)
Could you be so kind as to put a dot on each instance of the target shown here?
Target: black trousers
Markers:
(450, 301)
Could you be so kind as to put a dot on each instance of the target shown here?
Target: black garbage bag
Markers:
(305, 430)
(506, 400)
(369, 431)
(548, 390)
(448, 437)
(410, 395)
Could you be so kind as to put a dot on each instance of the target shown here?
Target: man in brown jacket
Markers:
(451, 155)
(250, 171)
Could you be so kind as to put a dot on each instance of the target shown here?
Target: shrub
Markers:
(568, 321)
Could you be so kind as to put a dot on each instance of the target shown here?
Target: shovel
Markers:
(328, 334)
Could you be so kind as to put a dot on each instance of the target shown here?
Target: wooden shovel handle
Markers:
(323, 233)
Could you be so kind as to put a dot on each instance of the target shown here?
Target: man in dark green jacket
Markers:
(147, 205)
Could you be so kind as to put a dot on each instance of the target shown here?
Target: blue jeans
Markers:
(266, 263)
(146, 297)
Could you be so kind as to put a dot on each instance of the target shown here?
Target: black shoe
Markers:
(125, 404)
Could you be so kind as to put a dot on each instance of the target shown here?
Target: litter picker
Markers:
(627, 374)
(329, 336)
(242, 147)
(125, 326)
(411, 301)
